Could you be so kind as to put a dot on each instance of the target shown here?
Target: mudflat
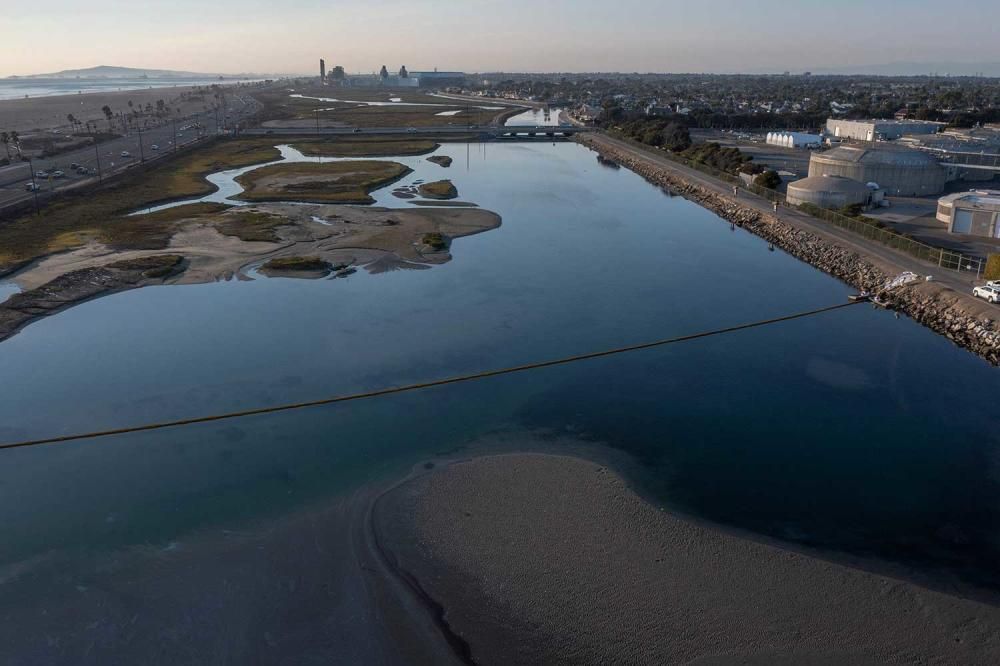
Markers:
(551, 559)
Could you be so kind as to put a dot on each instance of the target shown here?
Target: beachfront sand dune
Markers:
(550, 559)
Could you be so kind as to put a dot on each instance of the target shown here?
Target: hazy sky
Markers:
(288, 36)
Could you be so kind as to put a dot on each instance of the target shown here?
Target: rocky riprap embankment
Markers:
(81, 285)
(958, 317)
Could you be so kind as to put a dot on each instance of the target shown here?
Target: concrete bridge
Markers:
(526, 132)
(514, 132)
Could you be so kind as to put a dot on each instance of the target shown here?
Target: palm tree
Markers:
(108, 114)
(5, 140)
(16, 140)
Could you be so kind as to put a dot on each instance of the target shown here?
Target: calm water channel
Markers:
(852, 431)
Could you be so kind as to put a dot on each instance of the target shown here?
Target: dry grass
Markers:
(334, 182)
(249, 225)
(375, 147)
(102, 214)
(440, 189)
(297, 264)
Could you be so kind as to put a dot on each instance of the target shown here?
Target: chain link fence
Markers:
(939, 256)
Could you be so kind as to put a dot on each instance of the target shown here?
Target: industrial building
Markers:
(968, 154)
(438, 79)
(794, 140)
(900, 172)
(405, 79)
(830, 192)
(976, 213)
(879, 130)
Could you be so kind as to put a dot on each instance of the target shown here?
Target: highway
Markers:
(106, 158)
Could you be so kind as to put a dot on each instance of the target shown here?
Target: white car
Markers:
(126, 154)
(993, 283)
(31, 187)
(155, 147)
(991, 294)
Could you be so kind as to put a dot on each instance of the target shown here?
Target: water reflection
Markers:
(835, 431)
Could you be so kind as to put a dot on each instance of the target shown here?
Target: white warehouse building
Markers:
(794, 140)
(976, 213)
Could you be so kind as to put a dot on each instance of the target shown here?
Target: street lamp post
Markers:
(142, 155)
(34, 186)
(97, 153)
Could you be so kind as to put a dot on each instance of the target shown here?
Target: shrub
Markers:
(992, 267)
(435, 240)
(769, 179)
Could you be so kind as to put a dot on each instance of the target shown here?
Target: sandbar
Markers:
(552, 559)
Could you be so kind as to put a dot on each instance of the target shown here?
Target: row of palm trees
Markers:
(127, 120)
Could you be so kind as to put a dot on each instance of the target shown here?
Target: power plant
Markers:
(899, 171)
(401, 79)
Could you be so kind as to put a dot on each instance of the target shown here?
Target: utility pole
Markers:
(174, 122)
(34, 186)
(97, 153)
(142, 155)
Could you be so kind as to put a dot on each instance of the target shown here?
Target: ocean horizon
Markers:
(21, 88)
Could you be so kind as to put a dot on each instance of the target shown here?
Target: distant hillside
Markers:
(109, 72)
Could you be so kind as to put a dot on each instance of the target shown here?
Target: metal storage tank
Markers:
(900, 172)
(828, 192)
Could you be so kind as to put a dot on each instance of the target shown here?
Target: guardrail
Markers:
(942, 257)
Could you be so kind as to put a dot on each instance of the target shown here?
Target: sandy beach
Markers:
(46, 113)
(549, 559)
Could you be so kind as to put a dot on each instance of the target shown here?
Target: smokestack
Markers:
(322, 71)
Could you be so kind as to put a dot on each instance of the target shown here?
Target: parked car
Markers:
(155, 146)
(990, 294)
(41, 174)
(74, 166)
(993, 283)
(58, 174)
(126, 154)
(31, 187)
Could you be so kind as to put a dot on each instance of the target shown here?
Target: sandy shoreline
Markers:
(509, 558)
(307, 588)
(374, 238)
(42, 113)
(550, 559)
